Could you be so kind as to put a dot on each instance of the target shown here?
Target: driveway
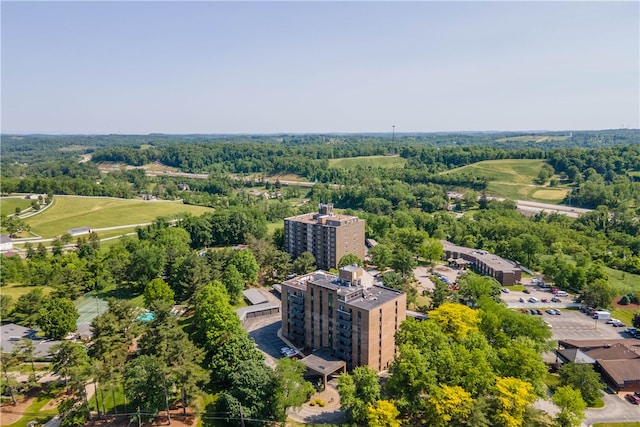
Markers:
(616, 409)
(264, 331)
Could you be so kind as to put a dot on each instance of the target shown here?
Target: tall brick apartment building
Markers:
(326, 235)
(347, 313)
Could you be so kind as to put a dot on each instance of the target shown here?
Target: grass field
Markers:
(534, 138)
(514, 171)
(513, 179)
(34, 411)
(8, 205)
(629, 424)
(99, 212)
(376, 161)
(16, 291)
(622, 281)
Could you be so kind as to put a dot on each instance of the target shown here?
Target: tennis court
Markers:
(89, 306)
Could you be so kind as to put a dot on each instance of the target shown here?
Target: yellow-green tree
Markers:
(456, 320)
(448, 405)
(383, 414)
(512, 398)
(571, 405)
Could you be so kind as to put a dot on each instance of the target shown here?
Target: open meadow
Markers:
(513, 179)
(8, 205)
(68, 212)
(375, 161)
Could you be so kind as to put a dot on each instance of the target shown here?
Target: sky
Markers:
(318, 67)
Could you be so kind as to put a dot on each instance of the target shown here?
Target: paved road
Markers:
(616, 409)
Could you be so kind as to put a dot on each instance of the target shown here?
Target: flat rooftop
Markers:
(358, 296)
(494, 261)
(329, 219)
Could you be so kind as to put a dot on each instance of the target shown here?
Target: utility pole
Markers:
(138, 416)
(393, 133)
(241, 416)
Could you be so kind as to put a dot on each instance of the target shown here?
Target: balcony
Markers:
(344, 314)
(346, 324)
(343, 349)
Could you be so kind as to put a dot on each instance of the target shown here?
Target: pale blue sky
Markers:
(269, 67)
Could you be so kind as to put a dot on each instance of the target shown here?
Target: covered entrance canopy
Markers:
(324, 364)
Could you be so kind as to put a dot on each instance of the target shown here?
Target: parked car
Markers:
(631, 331)
(554, 299)
(618, 324)
(505, 290)
(534, 299)
(522, 300)
(539, 312)
(612, 320)
(550, 311)
(527, 291)
(633, 399)
(557, 312)
(544, 300)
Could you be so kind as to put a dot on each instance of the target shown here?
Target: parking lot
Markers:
(264, 331)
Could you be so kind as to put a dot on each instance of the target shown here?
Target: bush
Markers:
(625, 300)
(317, 401)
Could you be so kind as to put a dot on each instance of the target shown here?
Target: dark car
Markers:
(544, 300)
(555, 299)
(539, 312)
(527, 291)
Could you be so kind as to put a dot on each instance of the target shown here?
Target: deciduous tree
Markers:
(571, 405)
(58, 317)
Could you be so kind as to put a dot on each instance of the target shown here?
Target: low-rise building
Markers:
(6, 244)
(504, 271)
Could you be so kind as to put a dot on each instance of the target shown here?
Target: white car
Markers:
(612, 320)
(534, 299)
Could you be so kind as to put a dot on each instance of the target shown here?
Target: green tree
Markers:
(440, 294)
(582, 377)
(598, 293)
(158, 290)
(291, 388)
(358, 390)
(70, 360)
(233, 281)
(6, 305)
(305, 263)
(381, 256)
(246, 264)
(179, 358)
(431, 250)
(571, 405)
(8, 362)
(145, 385)
(350, 259)
(58, 317)
(27, 308)
(403, 261)
(473, 287)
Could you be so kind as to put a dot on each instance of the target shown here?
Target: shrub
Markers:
(625, 300)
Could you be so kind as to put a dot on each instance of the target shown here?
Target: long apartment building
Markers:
(347, 313)
(504, 271)
(326, 235)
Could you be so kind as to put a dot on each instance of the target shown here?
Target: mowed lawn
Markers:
(513, 171)
(69, 212)
(375, 161)
(513, 179)
(8, 205)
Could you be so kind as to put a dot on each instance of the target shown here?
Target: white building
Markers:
(6, 244)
